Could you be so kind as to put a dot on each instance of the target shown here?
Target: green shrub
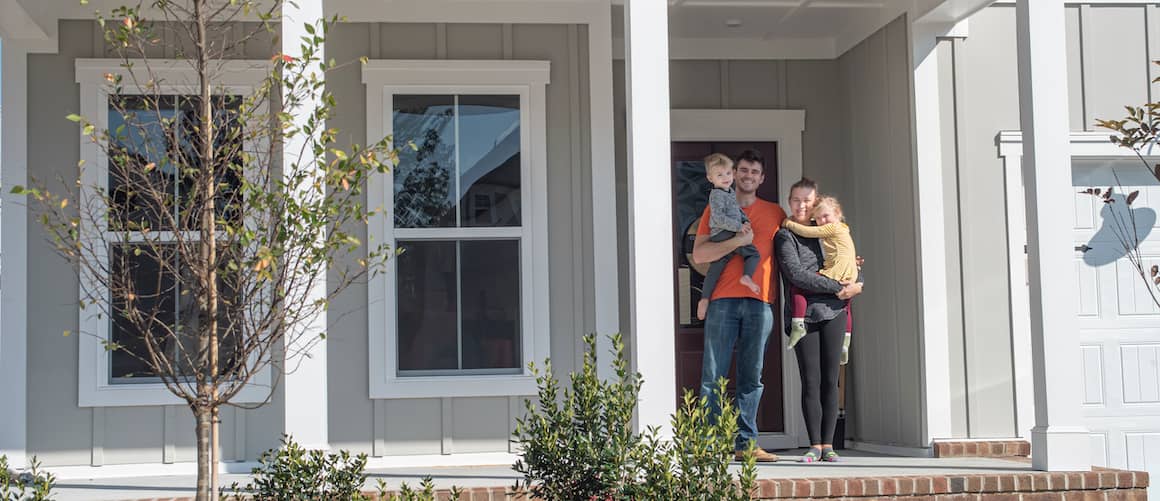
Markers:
(579, 443)
(694, 464)
(31, 485)
(426, 492)
(291, 472)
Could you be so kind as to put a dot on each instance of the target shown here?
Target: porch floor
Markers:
(855, 464)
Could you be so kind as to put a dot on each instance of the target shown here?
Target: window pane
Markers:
(489, 160)
(141, 185)
(424, 178)
(490, 292)
(427, 307)
(228, 144)
(159, 303)
(150, 138)
(153, 290)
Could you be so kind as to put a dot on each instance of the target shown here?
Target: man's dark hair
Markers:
(751, 156)
(806, 183)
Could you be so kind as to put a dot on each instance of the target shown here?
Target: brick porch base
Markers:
(1035, 486)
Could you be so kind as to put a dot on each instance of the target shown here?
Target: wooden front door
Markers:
(690, 195)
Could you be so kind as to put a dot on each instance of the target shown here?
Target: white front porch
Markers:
(861, 475)
(860, 71)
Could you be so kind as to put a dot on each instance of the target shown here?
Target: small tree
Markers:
(206, 218)
(1139, 132)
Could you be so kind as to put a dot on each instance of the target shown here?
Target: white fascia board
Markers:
(455, 72)
(179, 72)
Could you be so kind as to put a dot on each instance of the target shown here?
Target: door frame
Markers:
(1083, 145)
(784, 127)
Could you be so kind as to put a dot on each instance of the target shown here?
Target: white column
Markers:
(936, 376)
(604, 224)
(1058, 440)
(650, 208)
(14, 251)
(305, 381)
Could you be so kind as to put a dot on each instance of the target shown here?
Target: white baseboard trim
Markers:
(437, 460)
(893, 450)
(142, 470)
(240, 467)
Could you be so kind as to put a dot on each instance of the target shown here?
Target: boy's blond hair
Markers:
(831, 202)
(717, 161)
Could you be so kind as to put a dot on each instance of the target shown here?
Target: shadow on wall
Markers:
(1104, 246)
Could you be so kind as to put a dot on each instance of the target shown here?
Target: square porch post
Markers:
(304, 382)
(650, 209)
(1059, 440)
(14, 252)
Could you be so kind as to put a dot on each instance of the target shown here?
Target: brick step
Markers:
(981, 448)
(1099, 484)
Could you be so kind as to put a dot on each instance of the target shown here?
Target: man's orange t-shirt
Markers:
(765, 218)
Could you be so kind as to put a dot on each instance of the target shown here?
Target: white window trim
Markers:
(178, 77)
(528, 79)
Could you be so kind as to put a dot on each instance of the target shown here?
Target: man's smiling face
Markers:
(748, 177)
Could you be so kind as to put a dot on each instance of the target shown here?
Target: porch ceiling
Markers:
(794, 29)
(735, 29)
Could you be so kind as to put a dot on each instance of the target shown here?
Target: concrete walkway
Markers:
(854, 464)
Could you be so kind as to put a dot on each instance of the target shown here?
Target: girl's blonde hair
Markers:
(831, 202)
(717, 161)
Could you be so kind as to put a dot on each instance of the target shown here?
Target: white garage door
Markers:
(1119, 321)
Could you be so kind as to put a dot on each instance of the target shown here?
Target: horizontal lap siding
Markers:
(465, 425)
(59, 432)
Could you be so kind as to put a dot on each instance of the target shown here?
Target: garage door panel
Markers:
(1087, 208)
(1134, 297)
(1141, 378)
(1099, 448)
(1143, 450)
(1093, 375)
(1088, 296)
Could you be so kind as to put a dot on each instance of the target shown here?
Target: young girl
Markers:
(725, 219)
(840, 264)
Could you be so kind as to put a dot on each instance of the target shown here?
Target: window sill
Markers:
(454, 386)
(130, 395)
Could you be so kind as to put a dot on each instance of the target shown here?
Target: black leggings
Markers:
(818, 354)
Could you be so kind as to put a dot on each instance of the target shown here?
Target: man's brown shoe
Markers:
(759, 454)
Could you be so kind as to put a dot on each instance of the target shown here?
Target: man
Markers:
(737, 315)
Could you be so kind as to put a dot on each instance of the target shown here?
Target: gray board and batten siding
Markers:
(63, 434)
(1109, 53)
(394, 427)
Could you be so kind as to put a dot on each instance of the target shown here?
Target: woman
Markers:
(819, 352)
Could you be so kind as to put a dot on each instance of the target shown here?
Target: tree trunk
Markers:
(215, 444)
(203, 416)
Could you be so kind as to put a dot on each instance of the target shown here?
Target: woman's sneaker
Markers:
(797, 331)
(811, 456)
(829, 456)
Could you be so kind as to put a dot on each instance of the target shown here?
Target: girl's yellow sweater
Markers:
(837, 245)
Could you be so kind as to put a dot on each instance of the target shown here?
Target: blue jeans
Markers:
(746, 323)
